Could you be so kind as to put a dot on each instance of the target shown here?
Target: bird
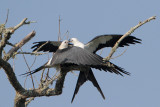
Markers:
(67, 55)
(94, 45)
(73, 58)
(97, 43)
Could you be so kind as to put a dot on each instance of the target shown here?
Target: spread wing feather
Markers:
(103, 41)
(50, 46)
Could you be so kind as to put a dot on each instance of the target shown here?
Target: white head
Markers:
(64, 44)
(75, 42)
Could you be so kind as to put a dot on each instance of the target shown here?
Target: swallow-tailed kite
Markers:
(75, 58)
(94, 45)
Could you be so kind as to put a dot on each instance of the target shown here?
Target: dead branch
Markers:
(21, 93)
(32, 53)
(127, 34)
(11, 75)
(18, 45)
(23, 22)
(43, 89)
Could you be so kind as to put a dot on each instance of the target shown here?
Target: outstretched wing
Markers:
(82, 57)
(102, 41)
(76, 55)
(50, 46)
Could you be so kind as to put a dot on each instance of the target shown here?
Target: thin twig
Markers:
(28, 101)
(33, 62)
(7, 17)
(10, 44)
(42, 75)
(31, 53)
(28, 68)
(66, 35)
(27, 76)
(47, 75)
(120, 54)
(74, 73)
(101, 51)
(59, 33)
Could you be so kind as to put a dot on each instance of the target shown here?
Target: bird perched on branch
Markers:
(93, 46)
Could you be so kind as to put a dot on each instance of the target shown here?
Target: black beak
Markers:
(70, 44)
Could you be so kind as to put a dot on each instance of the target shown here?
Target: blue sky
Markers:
(85, 19)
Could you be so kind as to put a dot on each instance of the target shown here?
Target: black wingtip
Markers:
(115, 69)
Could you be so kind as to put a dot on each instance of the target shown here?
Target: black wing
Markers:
(102, 41)
(112, 68)
(50, 46)
(83, 77)
(82, 57)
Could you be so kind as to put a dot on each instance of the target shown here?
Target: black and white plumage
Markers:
(94, 45)
(74, 58)
(78, 59)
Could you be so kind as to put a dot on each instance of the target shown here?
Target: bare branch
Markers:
(7, 34)
(127, 34)
(31, 53)
(19, 45)
(22, 94)
(19, 25)
(59, 33)
(11, 75)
